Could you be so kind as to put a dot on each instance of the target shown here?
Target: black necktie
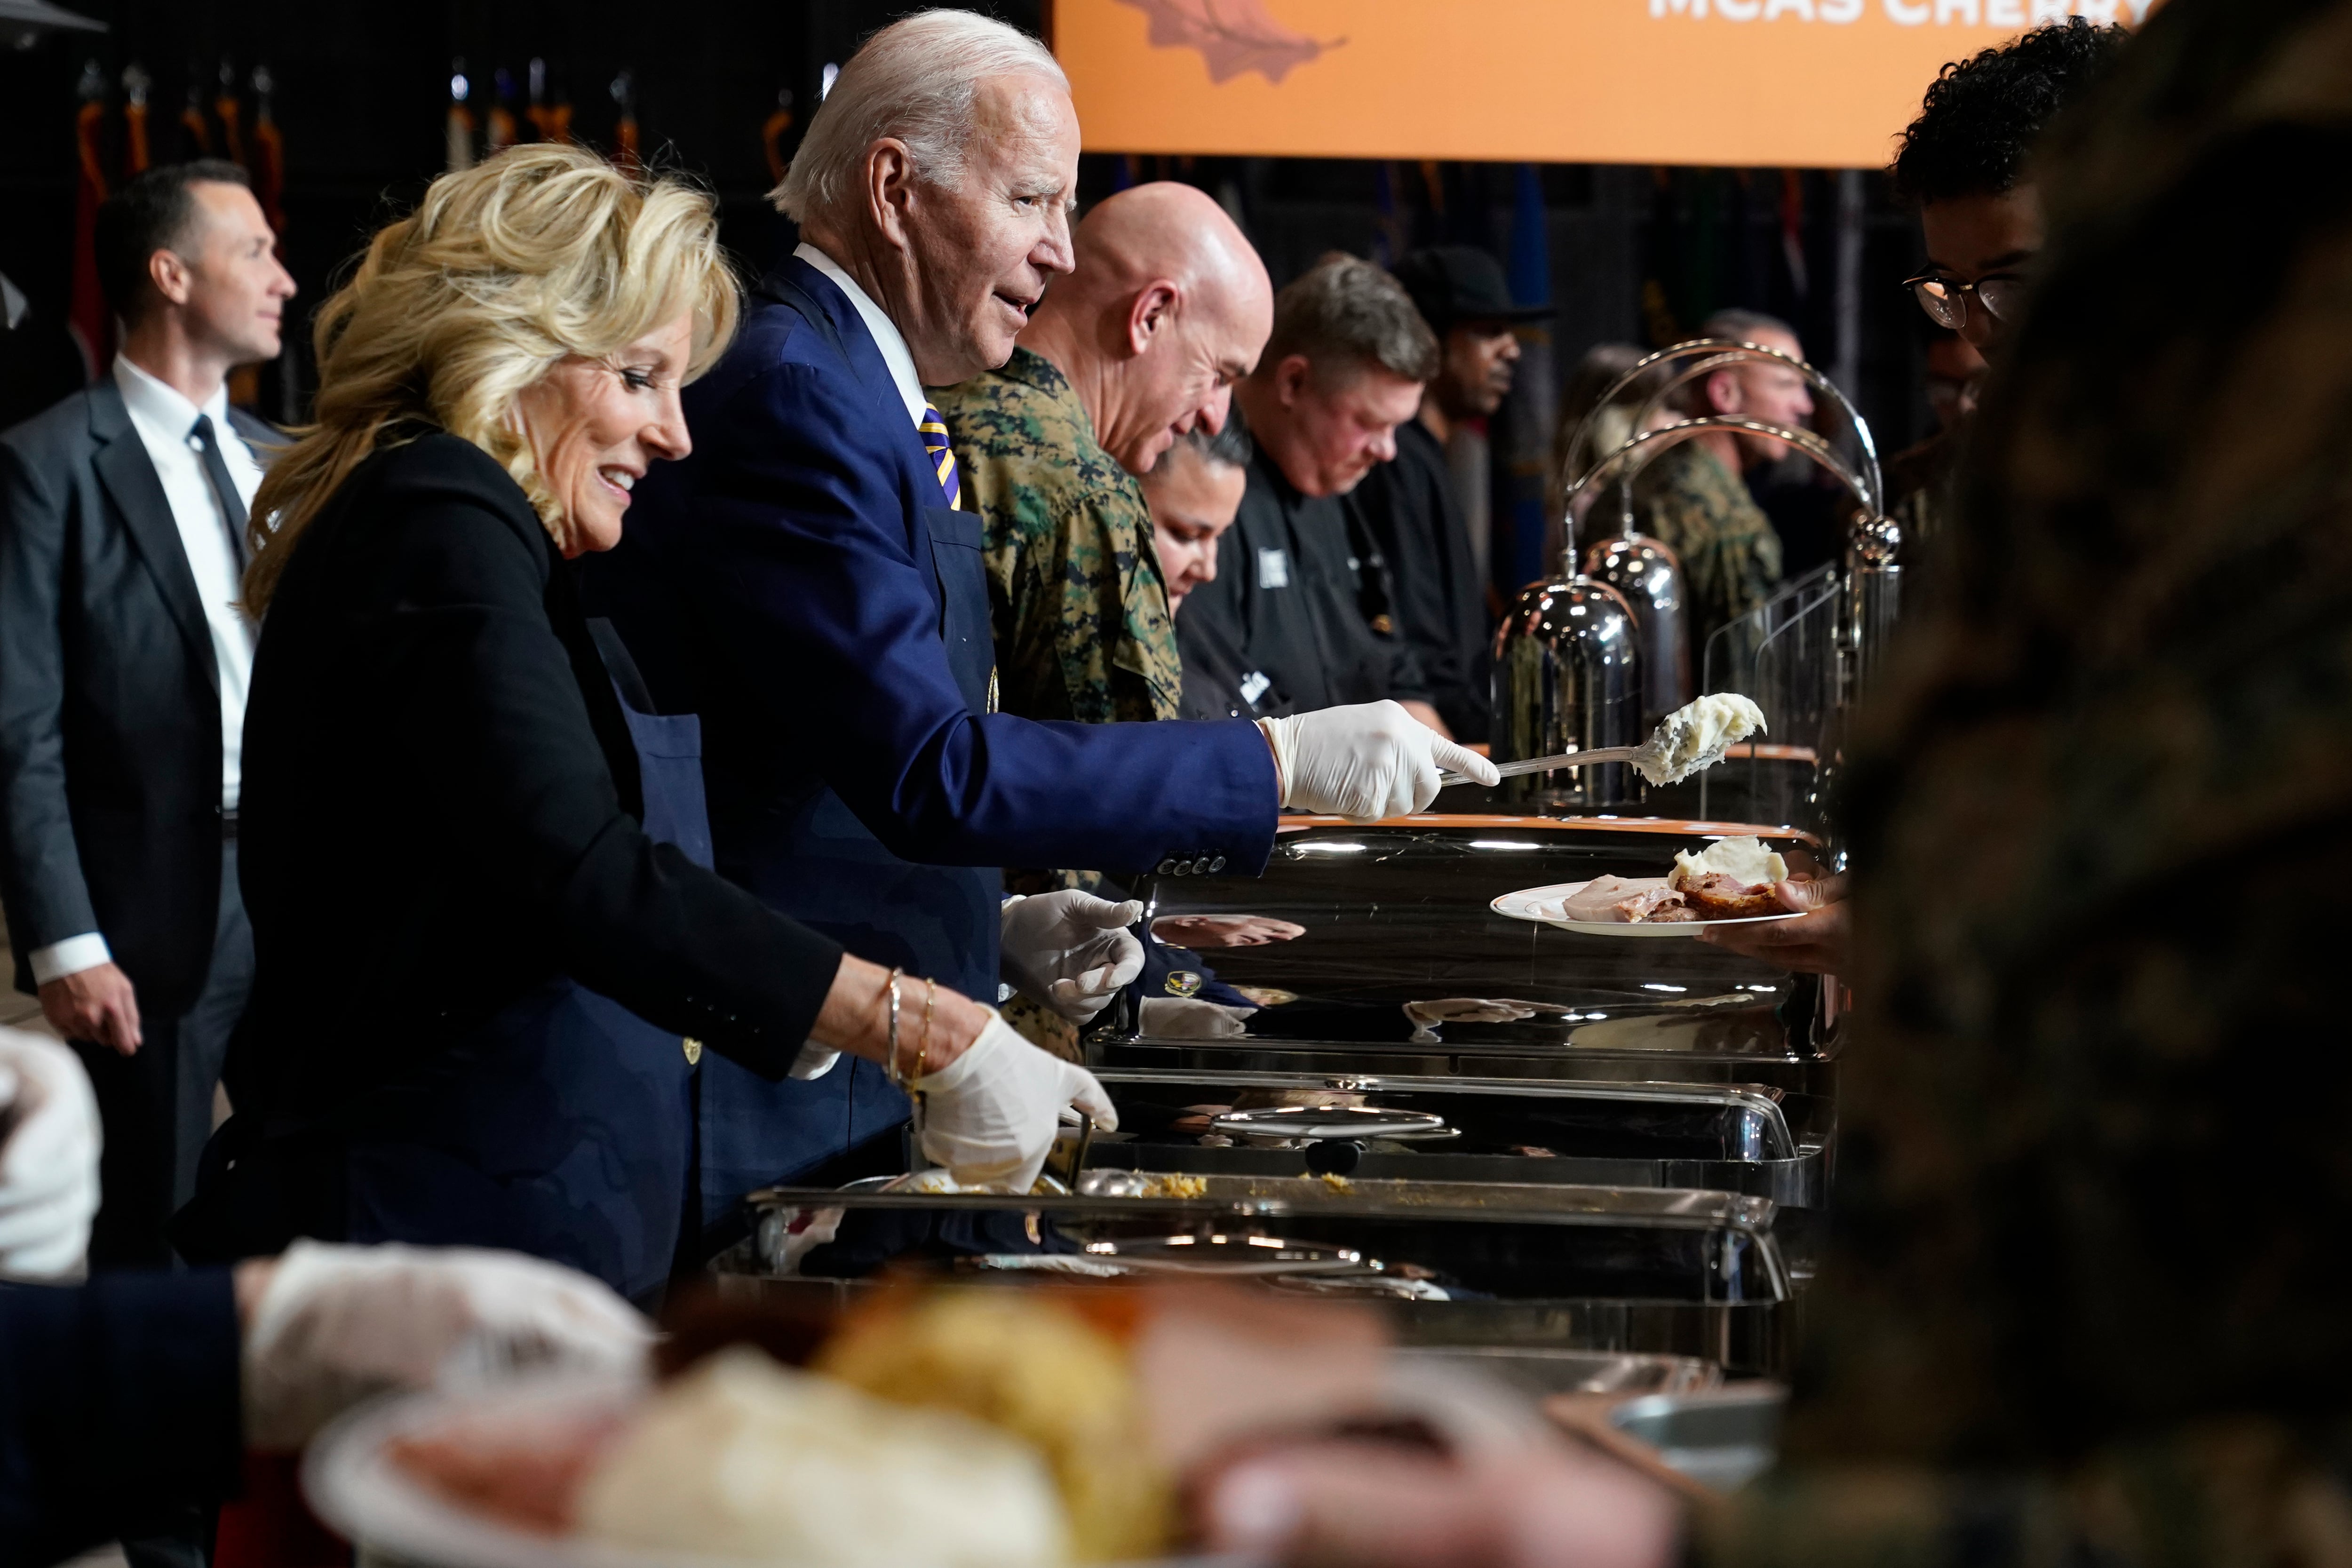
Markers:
(216, 469)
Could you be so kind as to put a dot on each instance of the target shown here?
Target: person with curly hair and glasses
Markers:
(1966, 163)
(1963, 162)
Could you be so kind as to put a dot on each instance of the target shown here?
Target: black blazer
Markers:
(441, 808)
(119, 1405)
(110, 704)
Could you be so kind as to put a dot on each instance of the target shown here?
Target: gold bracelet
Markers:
(923, 1051)
(891, 1060)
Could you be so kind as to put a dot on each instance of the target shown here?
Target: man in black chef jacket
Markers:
(1408, 505)
(1299, 585)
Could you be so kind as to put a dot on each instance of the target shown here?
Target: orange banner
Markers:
(1799, 83)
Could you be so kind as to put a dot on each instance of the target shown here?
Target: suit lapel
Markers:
(822, 299)
(129, 481)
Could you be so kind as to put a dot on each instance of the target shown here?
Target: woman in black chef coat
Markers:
(488, 945)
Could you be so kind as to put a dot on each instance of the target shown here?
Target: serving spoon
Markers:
(1693, 737)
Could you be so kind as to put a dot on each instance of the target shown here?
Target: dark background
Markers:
(1636, 253)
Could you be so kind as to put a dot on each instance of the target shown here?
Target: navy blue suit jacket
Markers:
(800, 582)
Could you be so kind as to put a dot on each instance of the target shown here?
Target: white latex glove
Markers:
(338, 1325)
(1190, 1018)
(1363, 762)
(990, 1115)
(49, 1141)
(1071, 950)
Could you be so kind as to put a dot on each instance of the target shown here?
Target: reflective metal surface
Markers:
(1677, 1272)
(1402, 967)
(1567, 677)
(1721, 1437)
(1544, 1371)
(1871, 567)
(1718, 353)
(1741, 1138)
(1648, 577)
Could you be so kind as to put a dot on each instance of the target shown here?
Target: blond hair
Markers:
(542, 253)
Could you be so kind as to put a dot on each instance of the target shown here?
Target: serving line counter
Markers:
(1402, 966)
(1510, 1266)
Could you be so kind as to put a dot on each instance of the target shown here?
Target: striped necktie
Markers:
(934, 431)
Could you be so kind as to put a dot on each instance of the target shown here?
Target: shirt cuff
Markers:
(815, 1061)
(70, 956)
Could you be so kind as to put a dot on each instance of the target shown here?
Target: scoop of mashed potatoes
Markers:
(744, 1457)
(1028, 1365)
(1744, 860)
(1697, 734)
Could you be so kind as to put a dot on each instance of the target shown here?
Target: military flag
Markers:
(136, 83)
(87, 316)
(230, 112)
(625, 130)
(195, 135)
(771, 134)
(458, 133)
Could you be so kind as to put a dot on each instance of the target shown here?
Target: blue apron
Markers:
(565, 1125)
(814, 861)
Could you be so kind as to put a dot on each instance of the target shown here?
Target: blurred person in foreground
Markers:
(488, 944)
(1962, 163)
(2085, 1303)
(1304, 582)
(1408, 502)
(132, 1402)
(809, 584)
(1693, 498)
(124, 660)
(1141, 345)
(126, 1404)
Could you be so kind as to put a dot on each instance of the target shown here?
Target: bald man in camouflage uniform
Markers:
(1082, 623)
(1169, 306)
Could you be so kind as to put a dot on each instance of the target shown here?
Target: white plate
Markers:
(358, 1489)
(1521, 906)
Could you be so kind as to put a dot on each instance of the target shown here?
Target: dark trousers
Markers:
(157, 1105)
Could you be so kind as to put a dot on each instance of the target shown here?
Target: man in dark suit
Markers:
(123, 659)
(806, 581)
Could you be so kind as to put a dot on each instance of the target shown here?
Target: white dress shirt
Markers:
(165, 422)
(886, 336)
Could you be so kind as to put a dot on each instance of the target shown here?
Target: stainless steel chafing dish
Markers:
(1740, 1138)
(1397, 917)
(1523, 1266)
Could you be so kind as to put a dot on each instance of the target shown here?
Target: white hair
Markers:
(917, 79)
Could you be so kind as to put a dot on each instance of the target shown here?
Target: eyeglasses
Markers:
(1946, 299)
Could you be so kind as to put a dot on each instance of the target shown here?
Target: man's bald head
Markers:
(1167, 308)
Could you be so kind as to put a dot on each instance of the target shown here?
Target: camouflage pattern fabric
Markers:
(2087, 1301)
(1083, 630)
(1082, 626)
(1687, 500)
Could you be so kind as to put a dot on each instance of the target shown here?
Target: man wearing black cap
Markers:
(1408, 503)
